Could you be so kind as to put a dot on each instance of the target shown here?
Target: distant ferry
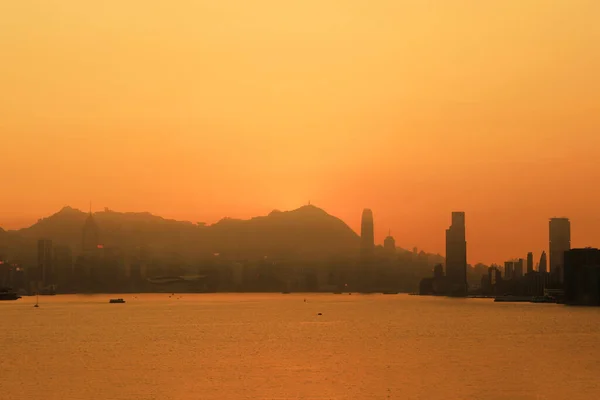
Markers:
(513, 299)
(7, 294)
(119, 300)
(525, 299)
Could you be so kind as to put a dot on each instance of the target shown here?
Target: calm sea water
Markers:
(277, 347)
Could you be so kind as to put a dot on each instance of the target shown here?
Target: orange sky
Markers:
(198, 109)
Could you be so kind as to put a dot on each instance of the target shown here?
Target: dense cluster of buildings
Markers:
(96, 267)
(573, 274)
(452, 281)
(93, 268)
(99, 268)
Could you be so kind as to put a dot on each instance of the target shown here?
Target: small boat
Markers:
(513, 299)
(543, 299)
(116, 301)
(390, 292)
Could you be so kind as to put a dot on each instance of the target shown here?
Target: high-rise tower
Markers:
(389, 243)
(90, 235)
(518, 268)
(560, 241)
(543, 267)
(45, 270)
(367, 238)
(529, 262)
(456, 253)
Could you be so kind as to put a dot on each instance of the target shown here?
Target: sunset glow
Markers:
(198, 110)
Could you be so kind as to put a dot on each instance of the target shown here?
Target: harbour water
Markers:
(275, 346)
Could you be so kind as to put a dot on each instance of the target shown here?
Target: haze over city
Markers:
(300, 199)
(202, 110)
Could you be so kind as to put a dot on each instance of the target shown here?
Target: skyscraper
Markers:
(389, 244)
(543, 267)
(456, 254)
(509, 267)
(529, 262)
(367, 239)
(91, 235)
(560, 241)
(582, 276)
(518, 268)
(45, 271)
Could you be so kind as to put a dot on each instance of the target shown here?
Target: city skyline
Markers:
(413, 110)
(309, 199)
(371, 224)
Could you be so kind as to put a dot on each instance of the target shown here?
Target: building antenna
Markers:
(90, 207)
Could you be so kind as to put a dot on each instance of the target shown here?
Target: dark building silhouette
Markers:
(389, 244)
(560, 241)
(438, 271)
(367, 238)
(529, 262)
(91, 234)
(518, 268)
(63, 267)
(45, 267)
(543, 266)
(456, 254)
(509, 269)
(582, 276)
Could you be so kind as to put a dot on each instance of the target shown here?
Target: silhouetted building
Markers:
(45, 266)
(518, 268)
(91, 234)
(509, 267)
(529, 262)
(582, 276)
(495, 275)
(63, 267)
(426, 286)
(438, 271)
(389, 244)
(456, 254)
(543, 266)
(560, 241)
(367, 238)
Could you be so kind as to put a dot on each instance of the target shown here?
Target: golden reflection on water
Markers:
(274, 346)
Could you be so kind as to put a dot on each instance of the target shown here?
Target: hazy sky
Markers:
(201, 109)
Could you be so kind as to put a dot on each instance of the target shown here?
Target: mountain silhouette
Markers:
(306, 232)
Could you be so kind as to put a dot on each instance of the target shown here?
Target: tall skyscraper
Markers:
(529, 262)
(582, 276)
(560, 241)
(456, 253)
(367, 238)
(45, 270)
(509, 267)
(518, 268)
(389, 244)
(543, 267)
(91, 234)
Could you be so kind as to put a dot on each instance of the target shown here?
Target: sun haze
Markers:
(201, 109)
